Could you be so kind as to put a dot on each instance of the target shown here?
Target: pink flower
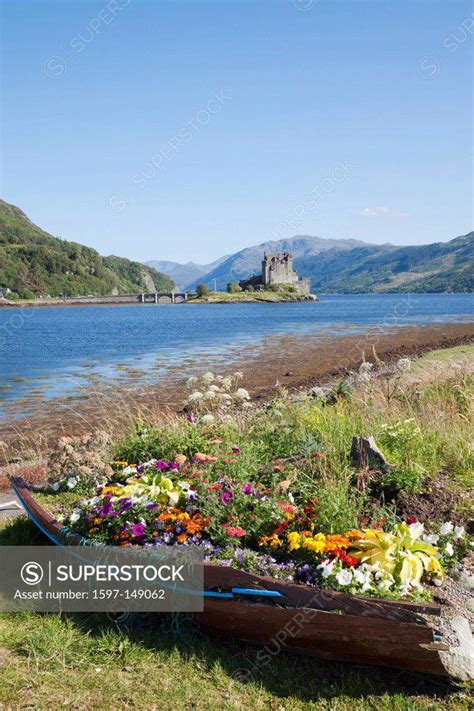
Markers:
(235, 531)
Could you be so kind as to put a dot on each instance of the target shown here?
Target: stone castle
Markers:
(277, 268)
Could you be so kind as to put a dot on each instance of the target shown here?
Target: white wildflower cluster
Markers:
(213, 394)
(365, 372)
(403, 364)
(401, 431)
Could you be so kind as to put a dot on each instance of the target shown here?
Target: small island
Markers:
(278, 282)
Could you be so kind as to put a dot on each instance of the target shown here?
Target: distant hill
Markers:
(34, 263)
(438, 267)
(352, 266)
(184, 274)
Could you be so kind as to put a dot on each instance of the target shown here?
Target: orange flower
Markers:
(336, 541)
(182, 537)
(205, 458)
(272, 541)
(353, 535)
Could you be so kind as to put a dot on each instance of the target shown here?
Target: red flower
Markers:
(341, 554)
(411, 519)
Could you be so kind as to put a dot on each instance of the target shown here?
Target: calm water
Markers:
(51, 351)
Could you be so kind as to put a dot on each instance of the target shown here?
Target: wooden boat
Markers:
(321, 623)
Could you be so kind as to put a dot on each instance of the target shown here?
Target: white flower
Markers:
(432, 539)
(226, 383)
(238, 375)
(209, 395)
(458, 532)
(326, 567)
(404, 364)
(56, 486)
(207, 419)
(196, 396)
(208, 378)
(75, 516)
(191, 381)
(385, 585)
(449, 548)
(446, 528)
(130, 470)
(242, 394)
(214, 388)
(416, 530)
(71, 482)
(344, 577)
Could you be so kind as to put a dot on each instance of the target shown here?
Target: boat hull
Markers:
(284, 616)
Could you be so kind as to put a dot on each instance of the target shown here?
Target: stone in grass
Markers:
(366, 455)
(459, 661)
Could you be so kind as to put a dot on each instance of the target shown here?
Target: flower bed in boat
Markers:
(271, 531)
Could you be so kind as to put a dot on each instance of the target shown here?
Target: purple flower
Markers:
(173, 465)
(140, 468)
(138, 530)
(125, 505)
(235, 449)
(191, 418)
(225, 498)
(107, 508)
(161, 465)
(247, 489)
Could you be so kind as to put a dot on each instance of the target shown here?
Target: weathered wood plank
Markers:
(321, 634)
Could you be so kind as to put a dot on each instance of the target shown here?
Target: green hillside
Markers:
(438, 267)
(34, 263)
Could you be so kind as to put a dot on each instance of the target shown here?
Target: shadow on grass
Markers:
(283, 674)
(21, 531)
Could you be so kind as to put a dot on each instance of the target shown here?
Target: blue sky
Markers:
(192, 128)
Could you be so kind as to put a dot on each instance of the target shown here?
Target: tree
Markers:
(233, 288)
(202, 290)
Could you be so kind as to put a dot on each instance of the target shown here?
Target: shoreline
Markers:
(297, 363)
(122, 301)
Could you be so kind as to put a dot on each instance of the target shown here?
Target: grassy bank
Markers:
(248, 297)
(422, 420)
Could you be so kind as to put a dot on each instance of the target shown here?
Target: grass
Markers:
(222, 297)
(81, 661)
(87, 661)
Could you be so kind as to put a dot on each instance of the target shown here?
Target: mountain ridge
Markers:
(355, 266)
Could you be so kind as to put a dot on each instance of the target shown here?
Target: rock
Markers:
(459, 661)
(464, 578)
(319, 393)
(365, 454)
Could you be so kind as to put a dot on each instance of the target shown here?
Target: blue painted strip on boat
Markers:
(211, 593)
(260, 593)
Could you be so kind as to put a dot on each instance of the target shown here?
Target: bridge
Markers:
(164, 297)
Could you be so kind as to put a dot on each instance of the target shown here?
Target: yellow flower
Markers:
(293, 541)
(316, 544)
